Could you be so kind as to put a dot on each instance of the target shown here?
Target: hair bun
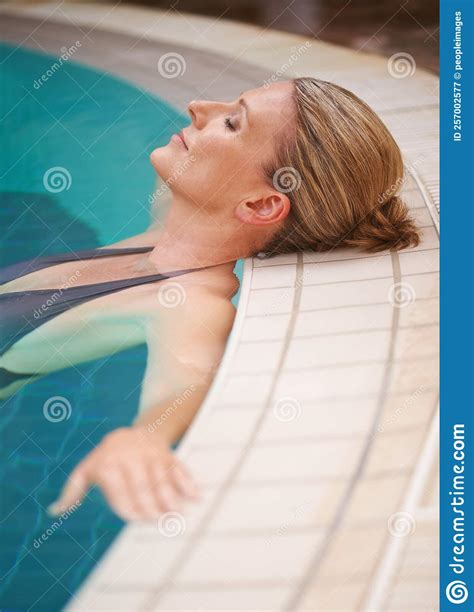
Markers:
(387, 226)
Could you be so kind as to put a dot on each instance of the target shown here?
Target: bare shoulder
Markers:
(214, 304)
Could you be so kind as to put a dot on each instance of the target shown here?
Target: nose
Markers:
(197, 112)
(202, 111)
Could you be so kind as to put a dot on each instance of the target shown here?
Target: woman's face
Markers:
(218, 159)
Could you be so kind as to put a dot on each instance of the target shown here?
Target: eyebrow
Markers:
(244, 104)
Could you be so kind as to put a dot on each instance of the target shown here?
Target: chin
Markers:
(157, 157)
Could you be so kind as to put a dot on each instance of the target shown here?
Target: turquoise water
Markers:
(101, 130)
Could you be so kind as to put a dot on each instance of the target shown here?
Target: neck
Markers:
(191, 238)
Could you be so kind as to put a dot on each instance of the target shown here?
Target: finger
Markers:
(141, 490)
(163, 489)
(73, 491)
(184, 481)
(116, 491)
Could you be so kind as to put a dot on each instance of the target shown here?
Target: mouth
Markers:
(179, 138)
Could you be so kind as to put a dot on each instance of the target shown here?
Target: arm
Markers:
(134, 466)
(184, 351)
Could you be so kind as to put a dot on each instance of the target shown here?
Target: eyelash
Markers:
(229, 125)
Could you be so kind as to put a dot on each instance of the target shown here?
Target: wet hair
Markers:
(342, 170)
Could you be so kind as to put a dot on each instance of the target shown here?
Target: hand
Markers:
(137, 472)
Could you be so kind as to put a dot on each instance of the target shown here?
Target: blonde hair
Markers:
(341, 170)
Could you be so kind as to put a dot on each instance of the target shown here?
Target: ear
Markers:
(263, 210)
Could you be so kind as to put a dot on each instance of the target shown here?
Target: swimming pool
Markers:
(75, 175)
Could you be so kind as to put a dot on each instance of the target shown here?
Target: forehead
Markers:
(276, 94)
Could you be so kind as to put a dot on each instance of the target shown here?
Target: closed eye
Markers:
(229, 125)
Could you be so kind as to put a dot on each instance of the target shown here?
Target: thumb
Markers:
(73, 491)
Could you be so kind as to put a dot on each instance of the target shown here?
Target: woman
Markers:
(299, 165)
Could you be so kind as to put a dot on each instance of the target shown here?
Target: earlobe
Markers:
(265, 210)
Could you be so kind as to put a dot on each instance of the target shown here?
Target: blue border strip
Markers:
(457, 306)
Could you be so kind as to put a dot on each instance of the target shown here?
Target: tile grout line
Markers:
(320, 555)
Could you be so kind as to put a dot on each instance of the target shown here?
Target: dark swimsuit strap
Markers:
(23, 268)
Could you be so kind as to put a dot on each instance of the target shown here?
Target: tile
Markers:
(393, 451)
(417, 342)
(404, 411)
(347, 381)
(416, 594)
(423, 286)
(220, 560)
(430, 498)
(320, 459)
(342, 595)
(429, 239)
(266, 277)
(419, 312)
(213, 466)
(348, 270)
(241, 599)
(108, 598)
(244, 389)
(418, 262)
(257, 357)
(411, 376)
(137, 562)
(352, 553)
(221, 427)
(290, 418)
(422, 218)
(414, 199)
(353, 318)
(337, 349)
(385, 495)
(421, 556)
(278, 509)
(265, 328)
(270, 301)
(345, 294)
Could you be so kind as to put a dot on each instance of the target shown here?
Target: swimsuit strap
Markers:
(22, 268)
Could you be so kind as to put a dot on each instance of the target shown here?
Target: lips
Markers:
(180, 135)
